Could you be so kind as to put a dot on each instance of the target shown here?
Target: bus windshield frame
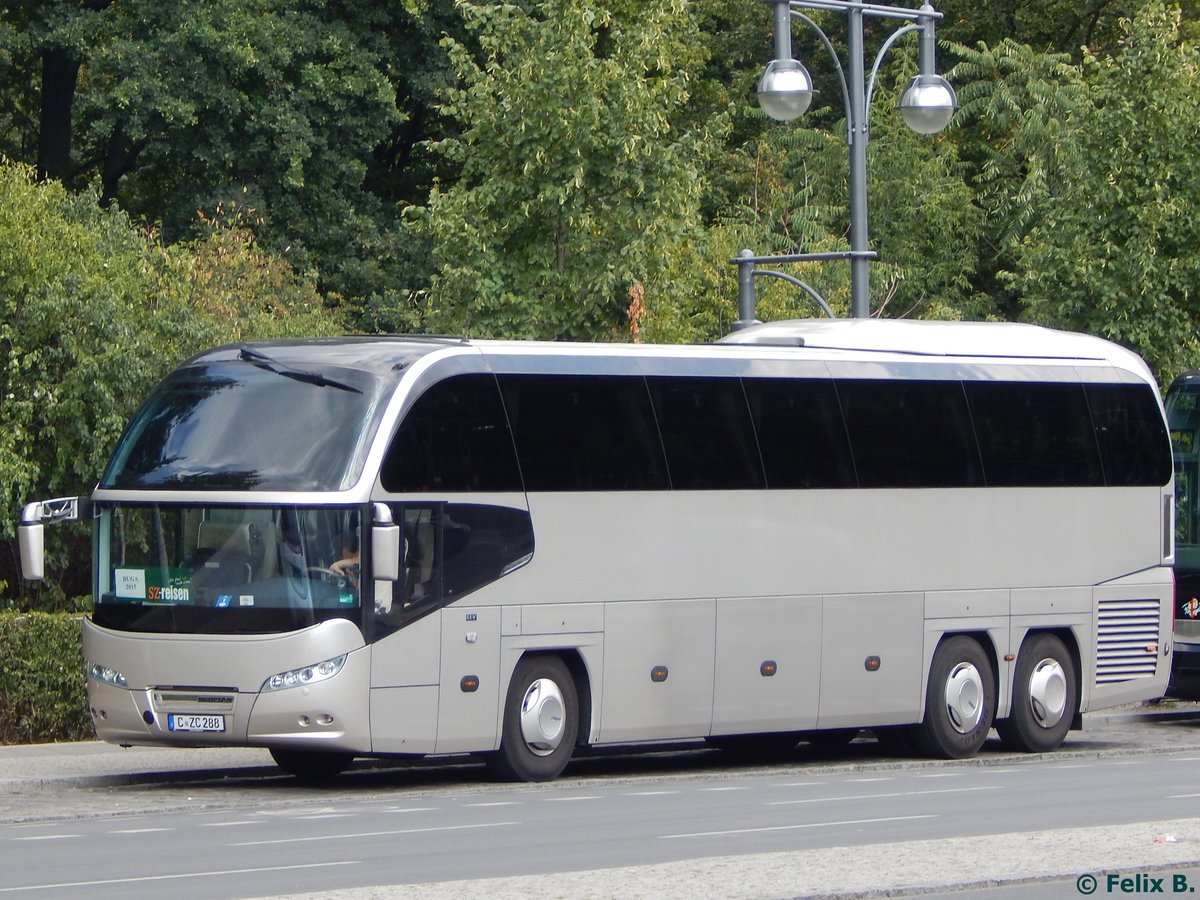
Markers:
(175, 568)
(250, 423)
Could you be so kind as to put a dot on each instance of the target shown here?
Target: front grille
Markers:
(1126, 630)
(190, 701)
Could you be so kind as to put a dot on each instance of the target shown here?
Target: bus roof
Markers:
(926, 338)
(390, 356)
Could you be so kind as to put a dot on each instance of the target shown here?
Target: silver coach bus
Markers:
(405, 545)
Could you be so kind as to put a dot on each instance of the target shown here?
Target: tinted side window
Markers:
(454, 438)
(910, 433)
(584, 433)
(800, 433)
(1130, 432)
(707, 434)
(1034, 435)
(451, 549)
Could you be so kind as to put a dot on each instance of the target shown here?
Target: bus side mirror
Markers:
(32, 539)
(385, 545)
(31, 532)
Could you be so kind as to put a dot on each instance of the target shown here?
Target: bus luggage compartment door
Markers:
(658, 670)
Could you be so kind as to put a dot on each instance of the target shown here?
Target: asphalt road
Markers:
(96, 821)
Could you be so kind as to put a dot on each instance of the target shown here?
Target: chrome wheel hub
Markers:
(543, 717)
(1048, 693)
(964, 697)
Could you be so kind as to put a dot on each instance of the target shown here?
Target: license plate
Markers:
(176, 722)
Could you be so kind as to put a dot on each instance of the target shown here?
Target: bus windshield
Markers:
(249, 423)
(223, 570)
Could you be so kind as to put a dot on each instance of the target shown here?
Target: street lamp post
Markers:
(785, 92)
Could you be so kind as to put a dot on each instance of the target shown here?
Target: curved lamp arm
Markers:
(887, 45)
(791, 279)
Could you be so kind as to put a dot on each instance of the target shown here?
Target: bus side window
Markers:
(422, 549)
(452, 549)
(455, 438)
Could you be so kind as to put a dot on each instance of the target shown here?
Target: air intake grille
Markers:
(1125, 630)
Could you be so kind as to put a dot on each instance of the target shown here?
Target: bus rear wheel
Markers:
(541, 721)
(311, 765)
(959, 703)
(1045, 696)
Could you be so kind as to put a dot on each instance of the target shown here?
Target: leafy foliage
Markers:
(93, 312)
(1112, 249)
(576, 178)
(42, 689)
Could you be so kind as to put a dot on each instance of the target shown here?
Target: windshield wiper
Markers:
(262, 361)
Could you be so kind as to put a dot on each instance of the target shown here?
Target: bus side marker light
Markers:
(768, 668)
(1009, 657)
(872, 664)
(658, 674)
(469, 684)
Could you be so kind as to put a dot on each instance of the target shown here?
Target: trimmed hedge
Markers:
(42, 686)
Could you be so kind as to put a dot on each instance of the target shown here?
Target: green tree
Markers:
(1014, 106)
(1050, 26)
(174, 107)
(93, 312)
(577, 177)
(1112, 249)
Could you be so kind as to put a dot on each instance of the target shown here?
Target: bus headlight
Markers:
(104, 674)
(321, 671)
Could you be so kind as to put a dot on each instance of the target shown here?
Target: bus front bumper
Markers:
(332, 714)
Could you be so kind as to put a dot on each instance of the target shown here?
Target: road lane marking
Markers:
(650, 793)
(227, 824)
(962, 790)
(408, 809)
(102, 881)
(567, 799)
(46, 837)
(493, 803)
(367, 834)
(802, 783)
(740, 788)
(793, 827)
(863, 780)
(139, 830)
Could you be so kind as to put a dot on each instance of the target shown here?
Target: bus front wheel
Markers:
(959, 703)
(1045, 695)
(541, 721)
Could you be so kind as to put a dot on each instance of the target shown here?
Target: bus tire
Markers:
(541, 721)
(311, 765)
(960, 701)
(1045, 696)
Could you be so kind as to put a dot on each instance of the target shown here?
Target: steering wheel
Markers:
(320, 573)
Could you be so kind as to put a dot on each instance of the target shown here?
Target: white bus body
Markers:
(845, 525)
